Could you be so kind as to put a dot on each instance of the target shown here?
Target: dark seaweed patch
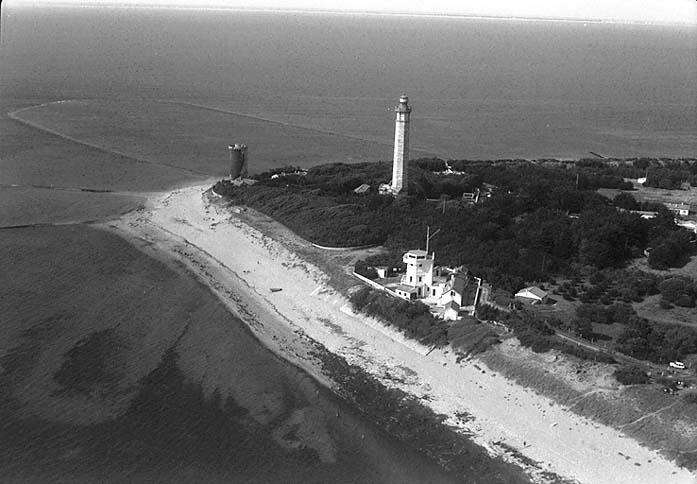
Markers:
(91, 364)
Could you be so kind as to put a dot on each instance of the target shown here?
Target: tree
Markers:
(672, 251)
(584, 328)
(641, 163)
(631, 375)
(626, 201)
(677, 289)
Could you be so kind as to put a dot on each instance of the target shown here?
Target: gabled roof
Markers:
(534, 290)
(452, 305)
(459, 284)
(407, 289)
(362, 189)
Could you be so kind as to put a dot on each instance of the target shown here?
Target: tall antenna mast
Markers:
(429, 236)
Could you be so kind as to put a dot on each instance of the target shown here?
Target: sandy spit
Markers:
(241, 265)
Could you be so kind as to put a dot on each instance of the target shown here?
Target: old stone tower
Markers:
(401, 146)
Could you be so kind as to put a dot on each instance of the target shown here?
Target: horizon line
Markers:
(69, 4)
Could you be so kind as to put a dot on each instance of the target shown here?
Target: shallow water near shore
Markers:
(119, 368)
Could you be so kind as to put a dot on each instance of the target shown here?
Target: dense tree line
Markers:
(655, 342)
(640, 337)
(671, 179)
(665, 173)
(541, 221)
(680, 291)
(627, 201)
(538, 333)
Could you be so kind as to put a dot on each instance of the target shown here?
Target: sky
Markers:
(643, 11)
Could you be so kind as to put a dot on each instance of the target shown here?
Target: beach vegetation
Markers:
(413, 319)
(469, 336)
(631, 375)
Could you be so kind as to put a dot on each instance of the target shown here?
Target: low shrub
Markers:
(631, 375)
(413, 319)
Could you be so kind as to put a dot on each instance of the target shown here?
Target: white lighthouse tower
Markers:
(401, 146)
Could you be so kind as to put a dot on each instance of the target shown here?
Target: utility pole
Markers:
(544, 259)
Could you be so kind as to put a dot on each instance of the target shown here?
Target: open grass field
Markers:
(650, 308)
(689, 269)
(659, 195)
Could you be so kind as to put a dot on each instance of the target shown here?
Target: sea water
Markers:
(479, 88)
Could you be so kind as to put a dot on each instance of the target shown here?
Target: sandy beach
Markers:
(241, 265)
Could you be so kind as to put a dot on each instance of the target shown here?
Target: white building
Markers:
(451, 311)
(532, 294)
(687, 224)
(681, 209)
(442, 288)
(419, 274)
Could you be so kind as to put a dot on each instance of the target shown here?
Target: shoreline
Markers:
(506, 419)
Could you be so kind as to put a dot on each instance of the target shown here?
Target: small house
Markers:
(382, 271)
(645, 214)
(532, 295)
(451, 311)
(680, 209)
(471, 197)
(406, 292)
(687, 224)
(362, 189)
(454, 290)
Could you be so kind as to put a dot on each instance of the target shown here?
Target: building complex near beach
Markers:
(449, 292)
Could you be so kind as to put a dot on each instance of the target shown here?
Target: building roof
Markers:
(459, 284)
(418, 252)
(534, 290)
(404, 288)
(362, 189)
(452, 305)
